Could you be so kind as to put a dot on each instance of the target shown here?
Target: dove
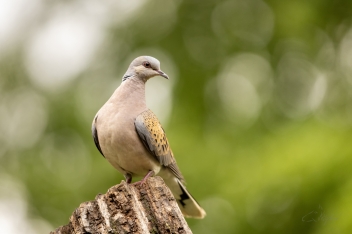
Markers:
(131, 138)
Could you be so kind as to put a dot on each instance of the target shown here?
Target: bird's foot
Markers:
(150, 173)
(128, 178)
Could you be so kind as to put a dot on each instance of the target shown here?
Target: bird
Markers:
(131, 138)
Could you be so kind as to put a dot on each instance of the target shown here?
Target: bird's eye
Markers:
(146, 64)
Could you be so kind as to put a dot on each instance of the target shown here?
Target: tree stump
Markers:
(128, 208)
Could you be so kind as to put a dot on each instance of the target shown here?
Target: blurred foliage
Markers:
(258, 110)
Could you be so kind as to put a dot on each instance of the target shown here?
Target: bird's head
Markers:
(144, 68)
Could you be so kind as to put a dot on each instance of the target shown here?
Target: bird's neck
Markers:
(131, 93)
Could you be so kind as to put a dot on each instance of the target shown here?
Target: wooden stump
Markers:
(126, 208)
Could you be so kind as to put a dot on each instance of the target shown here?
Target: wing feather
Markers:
(154, 139)
(95, 135)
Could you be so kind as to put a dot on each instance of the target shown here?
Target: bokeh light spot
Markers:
(244, 85)
(14, 208)
(230, 21)
(24, 118)
(61, 49)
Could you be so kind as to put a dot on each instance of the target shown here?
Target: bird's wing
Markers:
(95, 135)
(154, 139)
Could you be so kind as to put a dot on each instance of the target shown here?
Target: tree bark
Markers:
(129, 208)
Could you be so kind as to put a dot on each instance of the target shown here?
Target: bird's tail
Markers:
(188, 205)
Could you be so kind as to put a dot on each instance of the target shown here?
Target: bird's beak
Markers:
(161, 73)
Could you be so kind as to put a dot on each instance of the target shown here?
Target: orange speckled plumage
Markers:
(160, 142)
(154, 138)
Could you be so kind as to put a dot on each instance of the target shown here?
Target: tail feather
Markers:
(188, 205)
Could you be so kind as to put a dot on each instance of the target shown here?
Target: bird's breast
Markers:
(122, 147)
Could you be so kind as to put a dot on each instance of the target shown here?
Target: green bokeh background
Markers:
(258, 110)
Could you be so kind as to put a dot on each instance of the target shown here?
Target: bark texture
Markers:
(126, 208)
